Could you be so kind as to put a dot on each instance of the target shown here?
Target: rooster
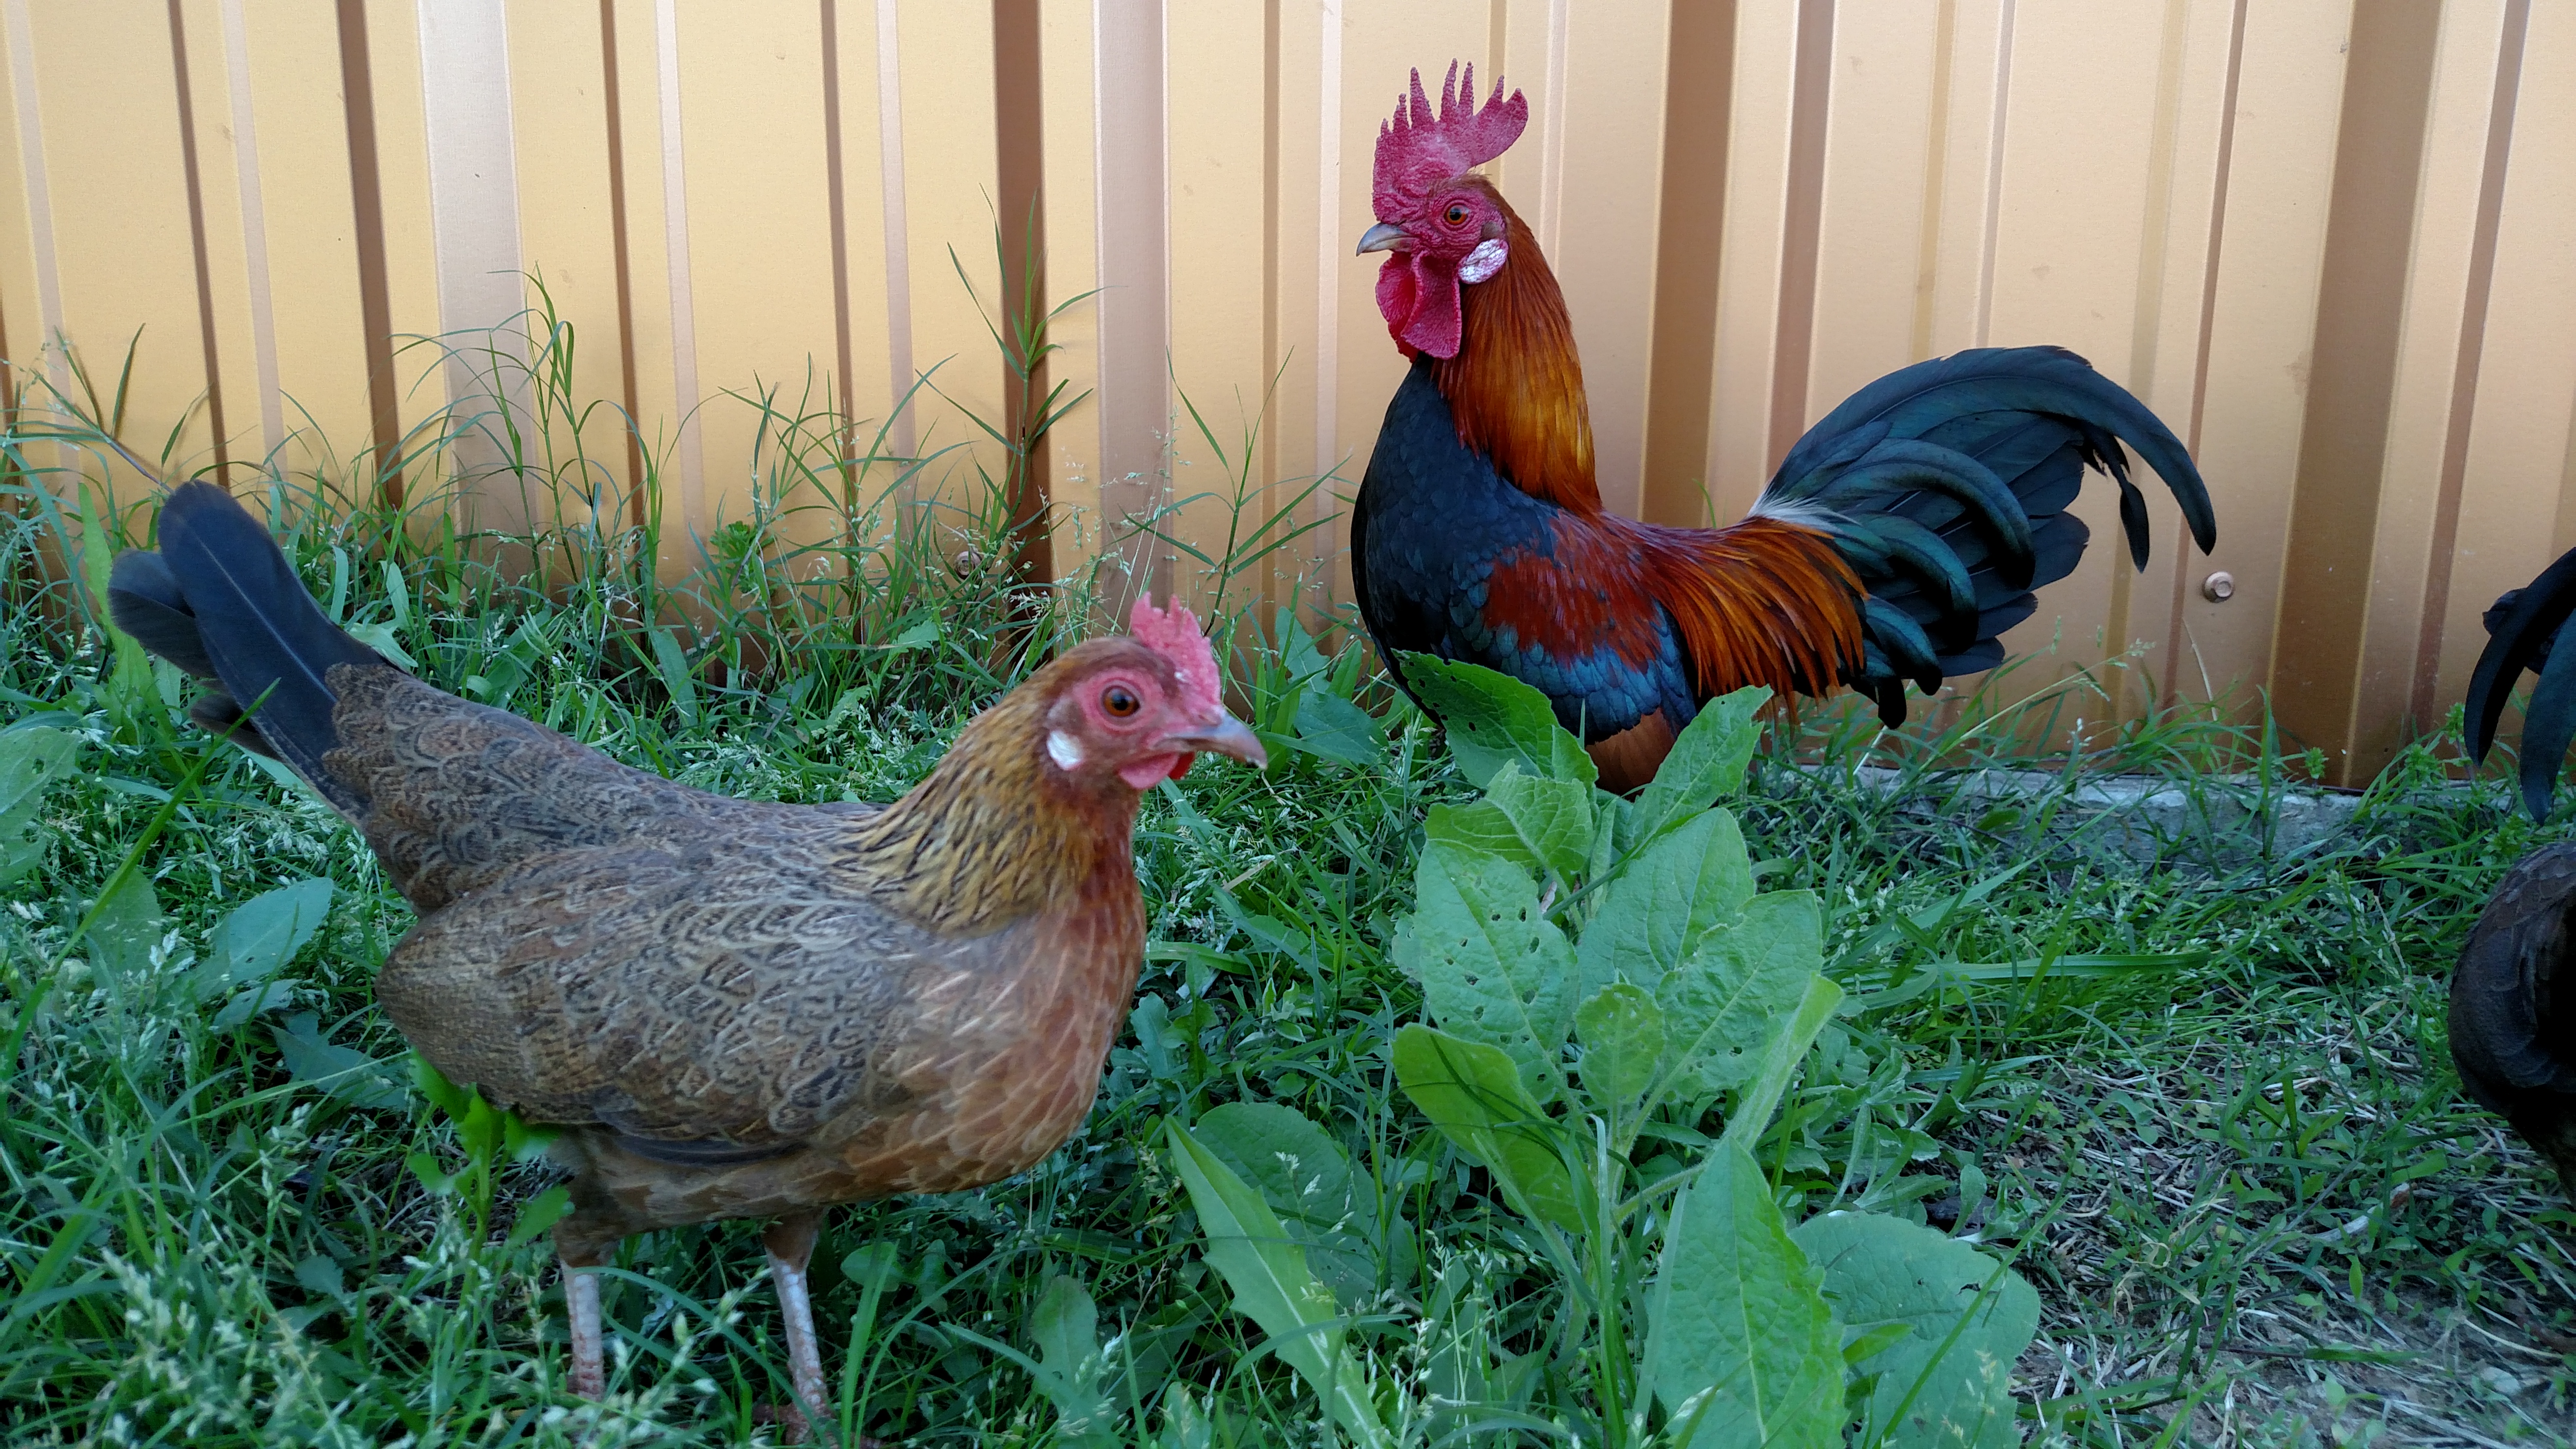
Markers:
(2513, 996)
(731, 1008)
(1898, 541)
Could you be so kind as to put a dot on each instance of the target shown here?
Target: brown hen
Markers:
(734, 1009)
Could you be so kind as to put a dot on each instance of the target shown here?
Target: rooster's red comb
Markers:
(1419, 149)
(1174, 633)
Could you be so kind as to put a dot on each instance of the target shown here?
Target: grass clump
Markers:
(2195, 1099)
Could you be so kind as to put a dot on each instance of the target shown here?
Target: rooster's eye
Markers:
(1119, 701)
(1456, 215)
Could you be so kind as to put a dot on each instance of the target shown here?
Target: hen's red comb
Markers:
(1418, 149)
(1174, 633)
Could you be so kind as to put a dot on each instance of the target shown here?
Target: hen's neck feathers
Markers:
(1515, 387)
(994, 835)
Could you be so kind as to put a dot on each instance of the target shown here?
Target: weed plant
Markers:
(2192, 1088)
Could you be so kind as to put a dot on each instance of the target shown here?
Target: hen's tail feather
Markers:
(1959, 471)
(220, 601)
(145, 600)
(2526, 630)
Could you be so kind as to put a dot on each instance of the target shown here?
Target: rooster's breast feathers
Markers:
(1449, 558)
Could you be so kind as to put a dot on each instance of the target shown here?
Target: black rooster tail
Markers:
(2523, 630)
(1945, 486)
(221, 602)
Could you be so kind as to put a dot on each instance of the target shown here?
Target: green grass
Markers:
(2253, 1201)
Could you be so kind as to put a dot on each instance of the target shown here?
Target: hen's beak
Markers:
(1386, 236)
(1228, 736)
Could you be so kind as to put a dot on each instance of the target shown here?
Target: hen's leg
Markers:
(790, 1242)
(581, 1302)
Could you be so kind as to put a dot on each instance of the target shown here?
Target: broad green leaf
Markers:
(253, 1001)
(1723, 1006)
(919, 636)
(1493, 967)
(129, 924)
(1333, 728)
(438, 1183)
(1493, 717)
(1770, 1081)
(1552, 817)
(262, 934)
(1185, 1425)
(1651, 916)
(1946, 1382)
(352, 1076)
(1479, 828)
(1610, 825)
(32, 761)
(379, 636)
(1621, 1031)
(1297, 652)
(1706, 765)
(1736, 1316)
(443, 1094)
(1273, 1287)
(1066, 1328)
(320, 1273)
(1473, 1094)
(540, 1213)
(1270, 932)
(1306, 1178)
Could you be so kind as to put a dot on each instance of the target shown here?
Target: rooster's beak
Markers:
(1228, 736)
(1386, 236)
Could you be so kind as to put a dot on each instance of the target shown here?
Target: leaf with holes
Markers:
(1478, 828)
(1947, 1381)
(1493, 968)
(1492, 717)
(1553, 818)
(1654, 913)
(1724, 1005)
(1621, 1031)
(32, 762)
(1473, 1094)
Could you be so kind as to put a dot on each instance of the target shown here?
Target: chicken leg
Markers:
(581, 1304)
(790, 1242)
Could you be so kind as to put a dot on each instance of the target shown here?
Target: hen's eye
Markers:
(1456, 215)
(1119, 700)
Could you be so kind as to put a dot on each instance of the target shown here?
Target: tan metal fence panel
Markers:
(2335, 247)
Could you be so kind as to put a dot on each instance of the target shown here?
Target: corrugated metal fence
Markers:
(2333, 244)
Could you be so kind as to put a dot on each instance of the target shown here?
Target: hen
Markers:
(1898, 540)
(733, 1009)
(2513, 996)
